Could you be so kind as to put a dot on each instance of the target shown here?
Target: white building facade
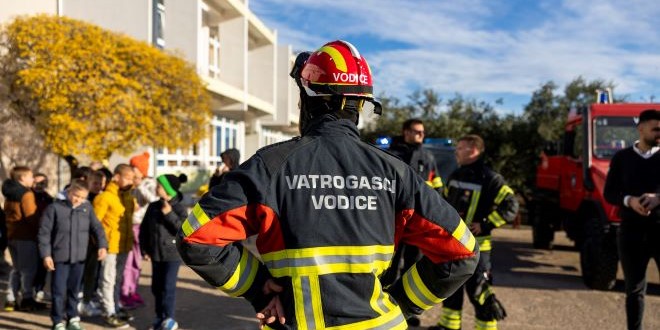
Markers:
(254, 102)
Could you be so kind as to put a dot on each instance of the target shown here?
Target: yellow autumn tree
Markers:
(89, 91)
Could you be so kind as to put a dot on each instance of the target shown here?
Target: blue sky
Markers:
(486, 49)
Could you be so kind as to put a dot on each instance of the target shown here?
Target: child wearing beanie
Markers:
(158, 243)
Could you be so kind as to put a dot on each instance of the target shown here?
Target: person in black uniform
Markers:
(633, 183)
(328, 210)
(484, 200)
(408, 147)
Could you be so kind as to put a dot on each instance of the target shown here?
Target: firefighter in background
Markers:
(328, 210)
(483, 199)
(408, 147)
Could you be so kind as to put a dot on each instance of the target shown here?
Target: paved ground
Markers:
(540, 289)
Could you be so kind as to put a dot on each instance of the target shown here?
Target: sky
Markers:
(483, 49)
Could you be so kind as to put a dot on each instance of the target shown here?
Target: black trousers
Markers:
(482, 272)
(163, 287)
(64, 289)
(638, 243)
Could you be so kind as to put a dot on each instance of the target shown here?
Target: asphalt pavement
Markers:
(540, 290)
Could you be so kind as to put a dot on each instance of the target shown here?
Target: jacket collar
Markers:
(329, 125)
(112, 187)
(399, 143)
(13, 190)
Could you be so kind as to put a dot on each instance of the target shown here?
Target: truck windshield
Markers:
(612, 134)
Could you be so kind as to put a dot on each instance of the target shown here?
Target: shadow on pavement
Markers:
(518, 265)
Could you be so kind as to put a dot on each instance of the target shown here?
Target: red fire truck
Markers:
(570, 180)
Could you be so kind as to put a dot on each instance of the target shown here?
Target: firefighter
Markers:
(328, 210)
(486, 202)
(408, 147)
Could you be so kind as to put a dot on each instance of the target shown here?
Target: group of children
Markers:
(92, 238)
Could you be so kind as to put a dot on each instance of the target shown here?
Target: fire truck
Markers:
(570, 180)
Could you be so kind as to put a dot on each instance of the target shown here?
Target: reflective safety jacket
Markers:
(420, 159)
(328, 210)
(481, 195)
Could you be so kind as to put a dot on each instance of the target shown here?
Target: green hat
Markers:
(171, 183)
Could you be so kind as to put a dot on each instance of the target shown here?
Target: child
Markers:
(22, 227)
(158, 244)
(63, 236)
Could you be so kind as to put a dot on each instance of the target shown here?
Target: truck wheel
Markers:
(598, 256)
(543, 232)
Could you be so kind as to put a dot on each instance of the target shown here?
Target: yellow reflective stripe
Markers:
(243, 277)
(377, 298)
(196, 219)
(484, 243)
(485, 294)
(391, 320)
(417, 291)
(496, 219)
(450, 319)
(505, 190)
(375, 267)
(485, 325)
(473, 206)
(299, 303)
(329, 260)
(327, 251)
(463, 235)
(315, 290)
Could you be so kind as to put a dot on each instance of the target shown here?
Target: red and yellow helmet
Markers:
(337, 68)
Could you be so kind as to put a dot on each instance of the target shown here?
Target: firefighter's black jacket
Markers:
(328, 210)
(481, 195)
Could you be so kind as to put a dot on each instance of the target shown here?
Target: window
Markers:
(226, 135)
(159, 23)
(214, 52)
(612, 134)
(270, 137)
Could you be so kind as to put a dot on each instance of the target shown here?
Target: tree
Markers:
(88, 91)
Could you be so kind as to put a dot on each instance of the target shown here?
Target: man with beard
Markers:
(633, 183)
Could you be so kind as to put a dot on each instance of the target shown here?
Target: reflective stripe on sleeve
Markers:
(496, 219)
(196, 219)
(243, 277)
(417, 291)
(504, 191)
(463, 235)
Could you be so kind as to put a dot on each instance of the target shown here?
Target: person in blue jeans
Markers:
(63, 235)
(158, 230)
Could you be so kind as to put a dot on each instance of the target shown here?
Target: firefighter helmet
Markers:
(337, 68)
